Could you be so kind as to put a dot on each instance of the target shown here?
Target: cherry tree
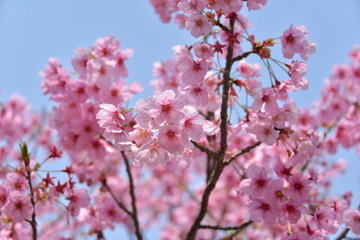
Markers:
(219, 151)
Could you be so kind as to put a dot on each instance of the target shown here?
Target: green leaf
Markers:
(25, 155)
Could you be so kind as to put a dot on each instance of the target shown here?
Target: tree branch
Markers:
(222, 26)
(343, 234)
(241, 228)
(242, 56)
(133, 198)
(203, 149)
(219, 167)
(225, 97)
(100, 235)
(237, 228)
(205, 200)
(25, 156)
(120, 204)
(33, 215)
(243, 151)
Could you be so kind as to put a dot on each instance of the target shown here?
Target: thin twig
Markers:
(223, 27)
(237, 228)
(343, 234)
(120, 204)
(100, 235)
(242, 56)
(32, 199)
(243, 151)
(133, 198)
(25, 155)
(240, 229)
(203, 149)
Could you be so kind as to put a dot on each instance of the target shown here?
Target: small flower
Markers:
(18, 207)
(198, 25)
(293, 41)
(78, 199)
(352, 220)
(257, 183)
(261, 210)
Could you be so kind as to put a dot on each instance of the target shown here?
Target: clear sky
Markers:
(33, 31)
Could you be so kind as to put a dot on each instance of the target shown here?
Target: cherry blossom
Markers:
(18, 207)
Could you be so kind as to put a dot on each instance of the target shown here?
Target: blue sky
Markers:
(33, 31)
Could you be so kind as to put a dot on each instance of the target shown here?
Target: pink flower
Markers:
(261, 210)
(109, 212)
(352, 220)
(55, 78)
(298, 187)
(164, 8)
(293, 41)
(274, 192)
(229, 6)
(264, 133)
(282, 170)
(109, 116)
(120, 57)
(77, 90)
(167, 107)
(145, 108)
(152, 153)
(290, 212)
(191, 6)
(248, 70)
(192, 125)
(193, 72)
(18, 206)
(255, 4)
(172, 139)
(140, 136)
(106, 46)
(325, 219)
(78, 199)
(80, 61)
(203, 50)
(257, 183)
(17, 182)
(198, 25)
(101, 73)
(197, 94)
(297, 69)
(4, 193)
(266, 98)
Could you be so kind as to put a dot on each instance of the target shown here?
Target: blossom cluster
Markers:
(220, 151)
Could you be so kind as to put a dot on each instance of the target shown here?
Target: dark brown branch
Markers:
(237, 228)
(32, 199)
(25, 155)
(225, 98)
(120, 204)
(219, 165)
(242, 56)
(133, 198)
(241, 228)
(343, 234)
(243, 151)
(203, 149)
(100, 235)
(223, 27)
(205, 200)
(209, 168)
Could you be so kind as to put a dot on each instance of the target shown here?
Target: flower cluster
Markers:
(220, 151)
